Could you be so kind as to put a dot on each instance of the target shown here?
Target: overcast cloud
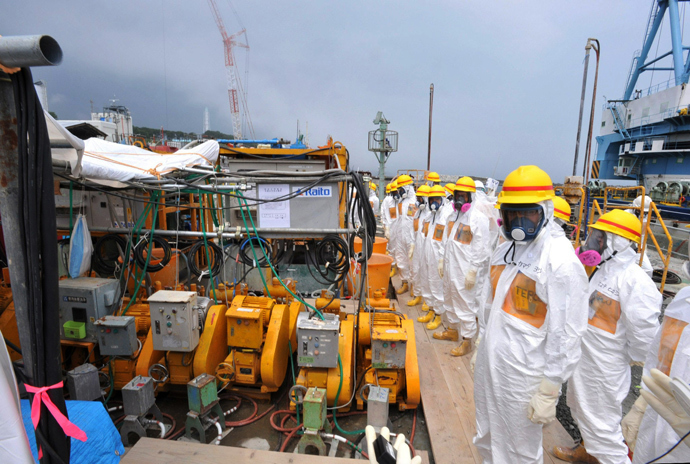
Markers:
(507, 73)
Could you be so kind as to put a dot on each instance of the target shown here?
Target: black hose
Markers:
(330, 256)
(216, 256)
(247, 256)
(106, 252)
(140, 258)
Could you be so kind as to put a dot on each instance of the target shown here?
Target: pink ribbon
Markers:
(41, 395)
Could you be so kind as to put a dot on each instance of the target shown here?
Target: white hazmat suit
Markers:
(405, 231)
(624, 306)
(418, 221)
(533, 334)
(670, 353)
(434, 230)
(467, 249)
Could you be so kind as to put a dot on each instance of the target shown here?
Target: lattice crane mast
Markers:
(235, 93)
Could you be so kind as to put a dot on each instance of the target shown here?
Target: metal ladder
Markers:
(619, 122)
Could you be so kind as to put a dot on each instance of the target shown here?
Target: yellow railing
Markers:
(666, 259)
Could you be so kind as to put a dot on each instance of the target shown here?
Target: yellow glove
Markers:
(410, 251)
(661, 399)
(440, 267)
(542, 406)
(470, 279)
(631, 422)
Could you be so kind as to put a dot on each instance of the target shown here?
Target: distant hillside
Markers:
(150, 133)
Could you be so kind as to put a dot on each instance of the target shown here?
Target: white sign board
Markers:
(274, 214)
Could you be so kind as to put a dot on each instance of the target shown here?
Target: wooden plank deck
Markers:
(155, 451)
(446, 381)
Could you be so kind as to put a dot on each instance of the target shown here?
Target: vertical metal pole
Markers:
(9, 199)
(676, 41)
(582, 107)
(431, 111)
(591, 114)
(383, 127)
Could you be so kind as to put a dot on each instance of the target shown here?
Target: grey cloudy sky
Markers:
(507, 73)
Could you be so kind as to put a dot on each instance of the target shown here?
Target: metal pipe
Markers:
(431, 110)
(676, 40)
(588, 47)
(243, 232)
(591, 114)
(23, 51)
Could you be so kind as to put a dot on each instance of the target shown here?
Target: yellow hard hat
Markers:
(449, 188)
(388, 188)
(527, 184)
(372, 185)
(561, 208)
(620, 223)
(423, 191)
(394, 185)
(437, 191)
(465, 184)
(404, 180)
(433, 177)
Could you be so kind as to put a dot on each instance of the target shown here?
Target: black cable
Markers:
(143, 246)
(106, 252)
(672, 448)
(332, 254)
(12, 345)
(216, 256)
(248, 258)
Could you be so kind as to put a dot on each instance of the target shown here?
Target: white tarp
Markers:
(65, 146)
(108, 161)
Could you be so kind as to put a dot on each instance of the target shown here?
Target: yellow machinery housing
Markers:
(387, 334)
(250, 347)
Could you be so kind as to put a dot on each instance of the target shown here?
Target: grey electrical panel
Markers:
(117, 335)
(317, 340)
(174, 320)
(82, 302)
(137, 396)
(377, 407)
(388, 348)
(83, 384)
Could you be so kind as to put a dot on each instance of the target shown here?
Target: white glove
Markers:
(631, 422)
(440, 267)
(665, 404)
(470, 279)
(387, 232)
(637, 363)
(473, 360)
(410, 251)
(542, 406)
(403, 455)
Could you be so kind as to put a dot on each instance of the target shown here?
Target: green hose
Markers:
(340, 386)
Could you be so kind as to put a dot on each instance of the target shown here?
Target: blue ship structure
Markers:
(645, 136)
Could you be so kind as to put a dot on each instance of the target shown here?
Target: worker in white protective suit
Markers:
(648, 434)
(432, 284)
(479, 185)
(390, 210)
(433, 178)
(384, 213)
(373, 198)
(404, 229)
(624, 307)
(534, 326)
(465, 266)
(418, 244)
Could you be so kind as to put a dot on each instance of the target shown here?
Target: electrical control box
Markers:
(117, 335)
(377, 407)
(245, 322)
(82, 302)
(388, 347)
(174, 320)
(202, 393)
(83, 383)
(137, 396)
(317, 340)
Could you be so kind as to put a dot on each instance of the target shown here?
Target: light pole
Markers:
(382, 142)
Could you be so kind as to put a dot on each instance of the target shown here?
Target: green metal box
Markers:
(315, 408)
(75, 330)
(202, 393)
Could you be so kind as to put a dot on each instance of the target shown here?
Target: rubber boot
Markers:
(404, 288)
(433, 325)
(415, 301)
(427, 317)
(394, 270)
(576, 454)
(450, 334)
(425, 307)
(464, 348)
